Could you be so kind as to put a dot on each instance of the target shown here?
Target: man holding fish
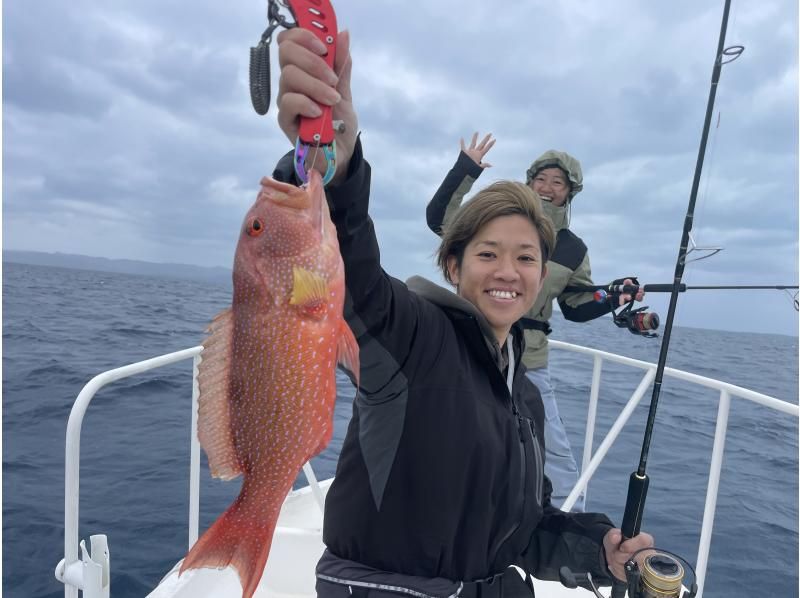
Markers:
(440, 486)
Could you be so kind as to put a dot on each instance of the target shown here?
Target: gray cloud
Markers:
(128, 130)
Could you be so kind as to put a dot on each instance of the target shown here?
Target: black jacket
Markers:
(441, 471)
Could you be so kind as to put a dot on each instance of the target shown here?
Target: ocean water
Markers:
(61, 327)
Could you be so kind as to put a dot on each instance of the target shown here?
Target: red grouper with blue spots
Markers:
(268, 374)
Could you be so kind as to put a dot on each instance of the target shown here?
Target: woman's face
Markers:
(552, 185)
(501, 273)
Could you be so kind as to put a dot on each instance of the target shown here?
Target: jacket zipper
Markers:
(523, 469)
(537, 451)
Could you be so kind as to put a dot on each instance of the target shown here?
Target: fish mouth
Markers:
(283, 194)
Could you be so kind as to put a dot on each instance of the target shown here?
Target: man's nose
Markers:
(506, 269)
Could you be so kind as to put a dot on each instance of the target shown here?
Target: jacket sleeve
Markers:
(581, 307)
(448, 197)
(563, 539)
(380, 310)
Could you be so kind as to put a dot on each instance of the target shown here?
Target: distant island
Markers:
(102, 264)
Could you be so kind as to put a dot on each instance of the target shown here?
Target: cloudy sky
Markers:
(128, 130)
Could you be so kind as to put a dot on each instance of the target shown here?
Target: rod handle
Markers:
(634, 505)
(632, 519)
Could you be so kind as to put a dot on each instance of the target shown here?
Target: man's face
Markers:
(501, 272)
(552, 185)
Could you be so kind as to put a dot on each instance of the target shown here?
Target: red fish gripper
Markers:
(318, 17)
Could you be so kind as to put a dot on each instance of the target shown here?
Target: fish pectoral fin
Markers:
(347, 351)
(213, 404)
(309, 291)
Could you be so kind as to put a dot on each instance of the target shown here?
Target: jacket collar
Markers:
(449, 300)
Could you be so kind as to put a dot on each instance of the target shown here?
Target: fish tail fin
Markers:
(240, 537)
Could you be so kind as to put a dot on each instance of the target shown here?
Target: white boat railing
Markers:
(92, 575)
(726, 391)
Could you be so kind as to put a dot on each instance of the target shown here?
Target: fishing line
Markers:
(316, 147)
(709, 175)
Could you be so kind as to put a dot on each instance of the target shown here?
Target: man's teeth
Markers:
(546, 197)
(503, 294)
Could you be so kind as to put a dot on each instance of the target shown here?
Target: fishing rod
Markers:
(639, 480)
(601, 292)
(632, 289)
(665, 566)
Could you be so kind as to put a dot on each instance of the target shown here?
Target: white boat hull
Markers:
(289, 573)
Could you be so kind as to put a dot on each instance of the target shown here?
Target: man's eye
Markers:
(527, 258)
(486, 254)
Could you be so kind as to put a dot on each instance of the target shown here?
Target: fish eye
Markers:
(255, 227)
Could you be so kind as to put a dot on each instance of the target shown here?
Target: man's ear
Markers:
(452, 269)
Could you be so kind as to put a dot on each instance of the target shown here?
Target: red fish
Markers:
(267, 378)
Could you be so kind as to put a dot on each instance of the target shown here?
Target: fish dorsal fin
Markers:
(309, 291)
(213, 408)
(347, 352)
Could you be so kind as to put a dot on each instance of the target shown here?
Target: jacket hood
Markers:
(449, 300)
(565, 162)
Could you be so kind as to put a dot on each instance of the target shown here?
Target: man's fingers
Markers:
(295, 54)
(304, 38)
(474, 140)
(303, 70)
(611, 542)
(296, 80)
(484, 141)
(631, 545)
(291, 106)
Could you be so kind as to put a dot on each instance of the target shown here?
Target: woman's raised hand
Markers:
(477, 151)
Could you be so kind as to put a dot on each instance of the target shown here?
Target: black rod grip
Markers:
(634, 505)
(632, 519)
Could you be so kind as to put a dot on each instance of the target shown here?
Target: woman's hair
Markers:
(503, 198)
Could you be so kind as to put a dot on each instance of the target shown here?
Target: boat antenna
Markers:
(639, 481)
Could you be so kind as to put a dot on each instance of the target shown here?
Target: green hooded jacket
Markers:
(569, 264)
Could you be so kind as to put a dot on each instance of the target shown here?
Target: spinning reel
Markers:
(637, 321)
(661, 576)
